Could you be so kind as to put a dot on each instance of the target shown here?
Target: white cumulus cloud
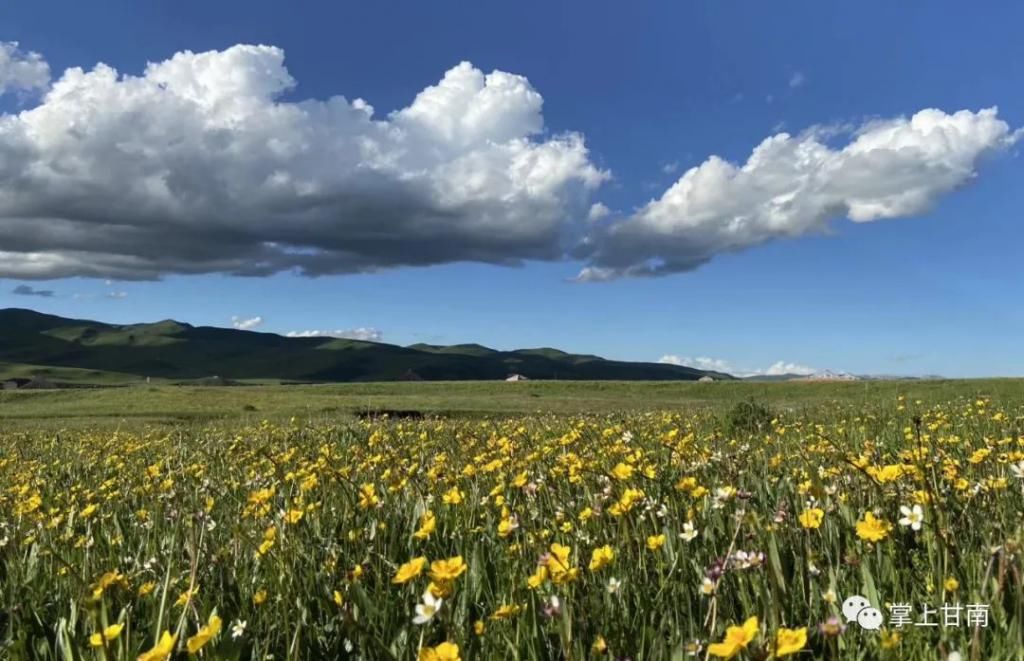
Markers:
(365, 334)
(198, 165)
(20, 70)
(201, 164)
(793, 185)
(242, 323)
(598, 211)
(782, 367)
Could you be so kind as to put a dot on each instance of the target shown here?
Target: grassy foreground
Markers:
(639, 534)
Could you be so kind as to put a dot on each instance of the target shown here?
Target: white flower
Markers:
(954, 656)
(829, 596)
(911, 516)
(613, 585)
(428, 609)
(689, 532)
(238, 629)
(707, 587)
(1018, 470)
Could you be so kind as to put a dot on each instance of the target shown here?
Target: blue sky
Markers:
(653, 90)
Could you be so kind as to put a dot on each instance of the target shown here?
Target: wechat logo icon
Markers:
(858, 609)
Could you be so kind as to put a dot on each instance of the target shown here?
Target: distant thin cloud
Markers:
(365, 334)
(246, 324)
(25, 290)
(718, 365)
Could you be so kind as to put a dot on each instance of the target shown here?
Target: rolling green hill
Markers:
(83, 351)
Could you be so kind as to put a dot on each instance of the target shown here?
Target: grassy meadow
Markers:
(533, 520)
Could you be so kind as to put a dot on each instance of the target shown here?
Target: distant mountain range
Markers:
(830, 375)
(79, 351)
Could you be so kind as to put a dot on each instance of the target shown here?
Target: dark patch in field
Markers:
(406, 414)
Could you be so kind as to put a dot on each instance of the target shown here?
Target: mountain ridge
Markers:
(170, 350)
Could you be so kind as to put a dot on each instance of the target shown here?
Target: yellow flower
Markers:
(736, 639)
(601, 557)
(29, 505)
(187, 596)
(873, 529)
(89, 510)
(951, 584)
(441, 590)
(655, 542)
(890, 639)
(599, 646)
(428, 523)
(686, 484)
(443, 652)
(812, 518)
(162, 650)
(368, 496)
(113, 631)
(259, 598)
(559, 568)
(626, 501)
(204, 635)
(293, 516)
(109, 579)
(538, 577)
(790, 641)
(96, 640)
(506, 611)
(452, 497)
(479, 627)
(410, 570)
(622, 471)
(146, 588)
(507, 526)
(447, 570)
(338, 599)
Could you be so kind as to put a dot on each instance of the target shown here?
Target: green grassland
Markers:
(171, 404)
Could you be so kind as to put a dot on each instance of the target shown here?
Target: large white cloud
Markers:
(199, 166)
(204, 164)
(794, 185)
(20, 70)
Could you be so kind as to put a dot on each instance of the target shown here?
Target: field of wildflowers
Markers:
(652, 535)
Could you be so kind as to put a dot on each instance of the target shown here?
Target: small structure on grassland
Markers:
(516, 377)
(706, 379)
(9, 385)
(39, 383)
(410, 375)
